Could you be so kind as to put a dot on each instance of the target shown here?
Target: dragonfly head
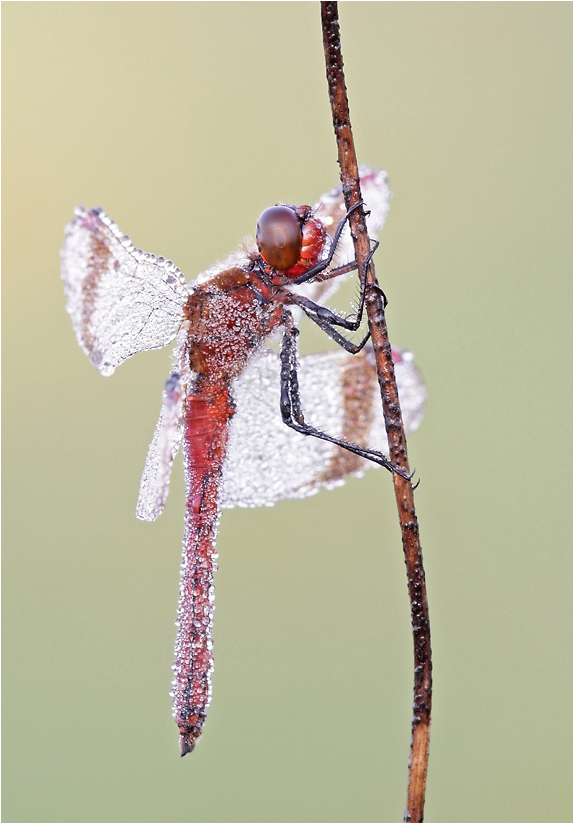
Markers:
(290, 239)
(279, 237)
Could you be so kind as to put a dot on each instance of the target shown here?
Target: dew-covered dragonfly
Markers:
(229, 397)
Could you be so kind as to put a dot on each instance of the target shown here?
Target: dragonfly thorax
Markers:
(229, 317)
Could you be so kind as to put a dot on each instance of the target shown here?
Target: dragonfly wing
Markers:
(162, 450)
(121, 300)
(268, 461)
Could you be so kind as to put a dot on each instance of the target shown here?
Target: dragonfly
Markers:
(257, 424)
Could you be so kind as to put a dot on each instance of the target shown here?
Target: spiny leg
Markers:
(327, 319)
(292, 412)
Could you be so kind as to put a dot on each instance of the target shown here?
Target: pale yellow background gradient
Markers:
(185, 120)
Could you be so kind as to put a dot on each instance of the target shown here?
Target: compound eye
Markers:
(279, 237)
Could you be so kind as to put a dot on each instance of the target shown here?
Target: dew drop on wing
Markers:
(106, 369)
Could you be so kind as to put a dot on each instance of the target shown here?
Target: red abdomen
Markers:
(207, 419)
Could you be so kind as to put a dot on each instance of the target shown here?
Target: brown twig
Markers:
(393, 419)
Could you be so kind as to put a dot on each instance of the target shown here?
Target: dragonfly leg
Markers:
(291, 409)
(324, 322)
(326, 319)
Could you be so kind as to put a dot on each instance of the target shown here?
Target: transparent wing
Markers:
(166, 441)
(162, 451)
(121, 300)
(267, 461)
(331, 210)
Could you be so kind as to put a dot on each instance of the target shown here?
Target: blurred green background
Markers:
(185, 120)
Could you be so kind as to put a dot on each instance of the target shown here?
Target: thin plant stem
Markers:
(404, 493)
